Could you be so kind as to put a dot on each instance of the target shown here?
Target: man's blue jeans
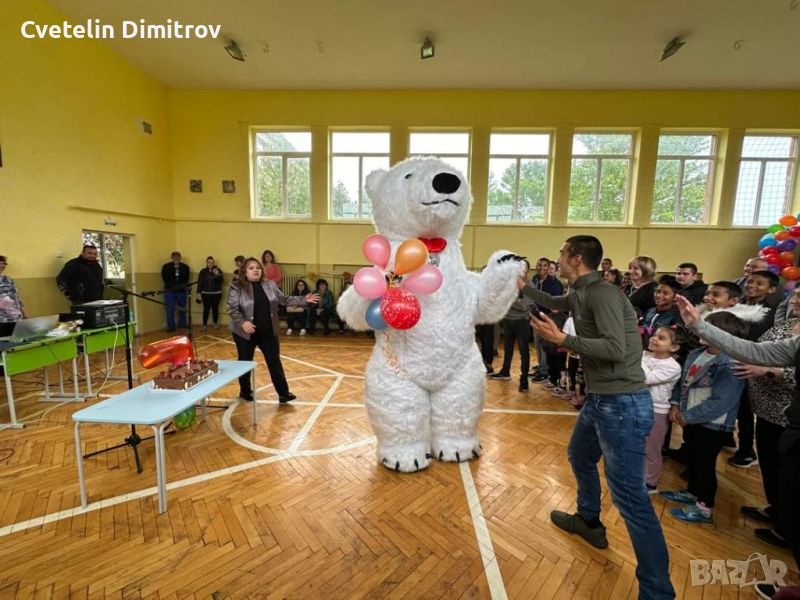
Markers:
(615, 426)
(173, 299)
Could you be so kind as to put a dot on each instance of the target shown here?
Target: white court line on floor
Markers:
(303, 433)
(497, 588)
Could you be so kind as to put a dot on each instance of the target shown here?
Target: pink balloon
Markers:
(377, 250)
(425, 280)
(370, 283)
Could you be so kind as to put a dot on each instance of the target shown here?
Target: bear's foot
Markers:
(456, 449)
(408, 458)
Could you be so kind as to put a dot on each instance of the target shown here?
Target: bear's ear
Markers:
(374, 181)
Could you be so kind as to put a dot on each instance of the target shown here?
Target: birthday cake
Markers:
(184, 377)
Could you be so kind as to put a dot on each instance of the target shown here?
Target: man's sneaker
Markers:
(523, 386)
(682, 496)
(289, 332)
(758, 514)
(500, 375)
(287, 398)
(489, 370)
(651, 489)
(562, 393)
(771, 537)
(549, 386)
(538, 377)
(574, 523)
(744, 461)
(692, 514)
(302, 332)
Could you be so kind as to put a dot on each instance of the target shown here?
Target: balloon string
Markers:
(391, 357)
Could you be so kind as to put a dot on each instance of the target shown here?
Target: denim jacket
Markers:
(719, 389)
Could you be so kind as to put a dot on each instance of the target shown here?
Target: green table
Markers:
(101, 339)
(22, 358)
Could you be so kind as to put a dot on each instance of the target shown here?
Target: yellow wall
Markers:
(73, 155)
(210, 129)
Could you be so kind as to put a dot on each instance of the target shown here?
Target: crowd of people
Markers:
(635, 352)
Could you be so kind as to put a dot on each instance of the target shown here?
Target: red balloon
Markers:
(782, 235)
(794, 231)
(769, 250)
(791, 273)
(400, 308)
(773, 259)
(175, 350)
(787, 256)
(787, 263)
(788, 220)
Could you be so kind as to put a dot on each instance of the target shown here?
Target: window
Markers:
(600, 176)
(518, 177)
(766, 179)
(684, 183)
(453, 148)
(281, 174)
(354, 155)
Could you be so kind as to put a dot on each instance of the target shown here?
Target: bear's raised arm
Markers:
(498, 286)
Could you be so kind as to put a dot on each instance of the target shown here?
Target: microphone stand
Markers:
(134, 439)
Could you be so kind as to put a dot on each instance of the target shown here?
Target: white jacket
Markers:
(660, 375)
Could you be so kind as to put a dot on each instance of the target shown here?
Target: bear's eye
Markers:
(408, 176)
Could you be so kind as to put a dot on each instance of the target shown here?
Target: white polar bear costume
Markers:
(425, 386)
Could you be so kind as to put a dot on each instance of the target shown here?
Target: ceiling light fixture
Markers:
(427, 50)
(674, 45)
(235, 52)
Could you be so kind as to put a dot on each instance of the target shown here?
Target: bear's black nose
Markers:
(446, 183)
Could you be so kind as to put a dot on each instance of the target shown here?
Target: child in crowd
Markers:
(664, 313)
(705, 404)
(556, 356)
(661, 371)
(576, 389)
(297, 316)
(324, 311)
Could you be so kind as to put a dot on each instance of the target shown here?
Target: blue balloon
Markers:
(373, 315)
(787, 245)
(767, 240)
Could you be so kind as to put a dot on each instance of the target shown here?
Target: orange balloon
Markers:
(782, 235)
(791, 273)
(411, 255)
(788, 220)
(787, 256)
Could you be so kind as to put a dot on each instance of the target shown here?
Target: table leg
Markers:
(10, 395)
(79, 462)
(203, 408)
(255, 400)
(60, 381)
(157, 440)
(76, 389)
(46, 383)
(88, 374)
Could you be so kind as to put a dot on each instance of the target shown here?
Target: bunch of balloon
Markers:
(392, 291)
(777, 247)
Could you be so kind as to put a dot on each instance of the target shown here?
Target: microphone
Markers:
(107, 282)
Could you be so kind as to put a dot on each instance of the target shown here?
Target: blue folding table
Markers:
(144, 405)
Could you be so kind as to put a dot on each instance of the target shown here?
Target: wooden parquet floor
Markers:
(298, 507)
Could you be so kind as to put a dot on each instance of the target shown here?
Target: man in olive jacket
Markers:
(618, 413)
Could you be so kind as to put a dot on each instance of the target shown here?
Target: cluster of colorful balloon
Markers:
(777, 247)
(392, 292)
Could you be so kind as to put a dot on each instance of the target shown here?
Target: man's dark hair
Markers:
(85, 246)
(671, 284)
(608, 259)
(544, 258)
(691, 266)
(176, 253)
(773, 279)
(588, 248)
(728, 322)
(734, 291)
(666, 278)
(238, 257)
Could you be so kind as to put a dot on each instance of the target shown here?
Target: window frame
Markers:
(710, 181)
(518, 157)
(466, 130)
(360, 156)
(285, 156)
(598, 174)
(793, 162)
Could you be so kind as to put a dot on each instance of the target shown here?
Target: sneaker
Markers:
(771, 537)
(246, 396)
(651, 489)
(742, 461)
(289, 331)
(523, 386)
(561, 393)
(549, 386)
(682, 496)
(576, 402)
(538, 378)
(287, 398)
(574, 523)
(501, 376)
(692, 513)
(758, 514)
(489, 370)
(302, 332)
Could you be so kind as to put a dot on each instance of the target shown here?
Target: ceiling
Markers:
(507, 44)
